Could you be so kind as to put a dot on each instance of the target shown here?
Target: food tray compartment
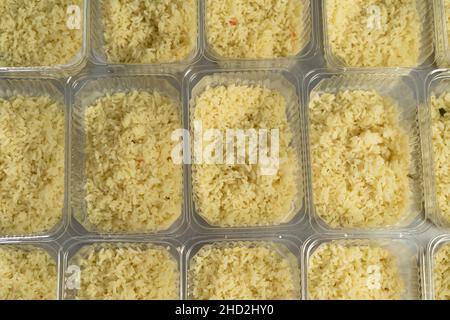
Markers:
(85, 90)
(275, 79)
(288, 247)
(426, 43)
(409, 255)
(309, 41)
(441, 31)
(402, 89)
(438, 83)
(98, 55)
(51, 248)
(433, 248)
(12, 85)
(71, 274)
(80, 59)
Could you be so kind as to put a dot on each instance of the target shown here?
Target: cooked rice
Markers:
(130, 272)
(344, 271)
(239, 195)
(149, 31)
(441, 273)
(395, 44)
(255, 28)
(440, 112)
(243, 271)
(361, 159)
(132, 183)
(447, 16)
(27, 274)
(34, 33)
(31, 164)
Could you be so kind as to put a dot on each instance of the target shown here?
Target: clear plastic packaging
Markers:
(441, 32)
(407, 251)
(78, 63)
(401, 88)
(309, 42)
(84, 92)
(98, 56)
(276, 79)
(426, 43)
(287, 246)
(433, 248)
(71, 273)
(51, 248)
(295, 77)
(14, 85)
(437, 84)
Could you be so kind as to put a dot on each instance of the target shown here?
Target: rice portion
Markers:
(31, 164)
(132, 183)
(131, 272)
(447, 16)
(441, 273)
(344, 271)
(440, 113)
(374, 33)
(36, 33)
(243, 271)
(255, 28)
(361, 159)
(143, 31)
(27, 274)
(239, 195)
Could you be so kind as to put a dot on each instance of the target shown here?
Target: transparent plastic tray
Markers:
(98, 56)
(442, 45)
(280, 80)
(300, 74)
(426, 43)
(409, 255)
(84, 91)
(12, 85)
(309, 42)
(288, 247)
(74, 66)
(438, 83)
(433, 248)
(402, 89)
(50, 247)
(71, 274)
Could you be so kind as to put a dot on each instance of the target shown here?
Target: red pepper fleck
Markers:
(233, 22)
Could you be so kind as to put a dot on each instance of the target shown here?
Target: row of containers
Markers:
(403, 87)
(417, 264)
(432, 42)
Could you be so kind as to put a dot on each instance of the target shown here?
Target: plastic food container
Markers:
(433, 248)
(275, 79)
(85, 90)
(72, 272)
(376, 20)
(438, 83)
(13, 85)
(286, 246)
(401, 88)
(442, 45)
(406, 251)
(308, 42)
(98, 55)
(52, 249)
(76, 18)
(296, 78)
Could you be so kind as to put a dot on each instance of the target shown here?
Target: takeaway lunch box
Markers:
(206, 149)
